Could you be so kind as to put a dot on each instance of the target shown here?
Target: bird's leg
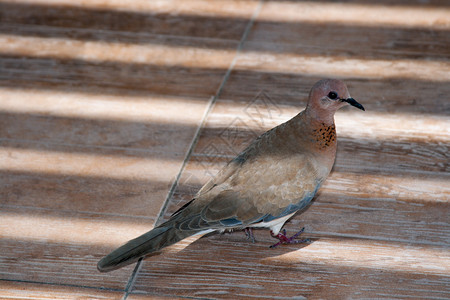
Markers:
(283, 239)
(249, 233)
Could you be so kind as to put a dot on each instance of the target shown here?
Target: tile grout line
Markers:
(196, 137)
(132, 279)
(208, 110)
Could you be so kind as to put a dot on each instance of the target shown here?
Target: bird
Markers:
(276, 176)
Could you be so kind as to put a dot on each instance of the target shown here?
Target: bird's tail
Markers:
(152, 241)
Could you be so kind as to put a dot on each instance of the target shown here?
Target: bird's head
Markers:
(326, 97)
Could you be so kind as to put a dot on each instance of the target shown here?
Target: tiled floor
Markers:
(114, 113)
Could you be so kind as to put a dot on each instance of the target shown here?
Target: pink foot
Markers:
(285, 240)
(249, 233)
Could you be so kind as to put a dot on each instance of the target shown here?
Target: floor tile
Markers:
(99, 105)
(387, 190)
(100, 102)
(286, 57)
(325, 268)
(63, 247)
(77, 115)
(90, 154)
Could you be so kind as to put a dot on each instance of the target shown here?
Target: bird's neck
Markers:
(321, 135)
(324, 136)
(319, 115)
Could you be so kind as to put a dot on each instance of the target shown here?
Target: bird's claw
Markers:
(249, 233)
(283, 239)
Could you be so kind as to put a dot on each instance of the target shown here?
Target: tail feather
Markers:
(149, 242)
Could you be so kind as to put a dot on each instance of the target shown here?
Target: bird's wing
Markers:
(259, 190)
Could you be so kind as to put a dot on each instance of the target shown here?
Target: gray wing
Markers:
(258, 190)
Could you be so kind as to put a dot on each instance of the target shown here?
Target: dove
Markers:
(276, 176)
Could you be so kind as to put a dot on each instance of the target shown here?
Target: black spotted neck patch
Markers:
(324, 136)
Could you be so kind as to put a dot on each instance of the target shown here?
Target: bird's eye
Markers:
(332, 95)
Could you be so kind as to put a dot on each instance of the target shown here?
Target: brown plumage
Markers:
(275, 176)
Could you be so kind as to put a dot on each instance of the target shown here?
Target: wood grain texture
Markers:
(61, 247)
(380, 223)
(25, 290)
(326, 268)
(73, 113)
(101, 100)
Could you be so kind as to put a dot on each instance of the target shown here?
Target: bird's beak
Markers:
(353, 102)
